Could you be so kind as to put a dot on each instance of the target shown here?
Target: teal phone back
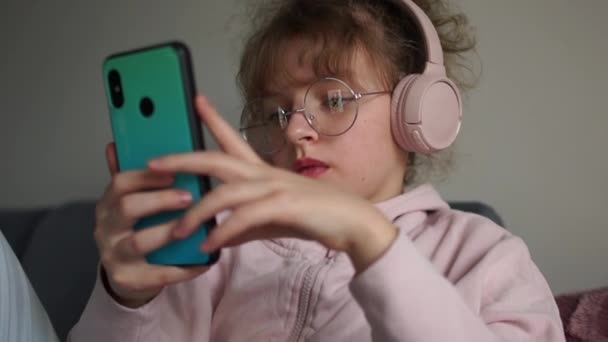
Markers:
(157, 118)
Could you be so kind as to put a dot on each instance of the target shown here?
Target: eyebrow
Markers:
(270, 92)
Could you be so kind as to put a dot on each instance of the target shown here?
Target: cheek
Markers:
(364, 149)
(374, 144)
(284, 158)
(374, 134)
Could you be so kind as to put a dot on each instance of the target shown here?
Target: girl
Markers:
(327, 238)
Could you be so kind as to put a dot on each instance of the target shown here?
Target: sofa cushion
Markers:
(61, 262)
(585, 315)
(17, 226)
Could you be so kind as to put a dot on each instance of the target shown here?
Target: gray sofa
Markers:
(56, 248)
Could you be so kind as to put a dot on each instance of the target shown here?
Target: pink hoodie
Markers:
(449, 276)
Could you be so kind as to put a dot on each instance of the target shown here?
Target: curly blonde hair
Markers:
(391, 40)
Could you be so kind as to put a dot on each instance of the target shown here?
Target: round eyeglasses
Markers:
(330, 107)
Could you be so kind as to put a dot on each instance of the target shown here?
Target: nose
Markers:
(299, 131)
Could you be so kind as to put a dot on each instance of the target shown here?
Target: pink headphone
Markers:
(426, 109)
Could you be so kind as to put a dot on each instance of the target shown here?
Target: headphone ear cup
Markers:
(398, 122)
(426, 113)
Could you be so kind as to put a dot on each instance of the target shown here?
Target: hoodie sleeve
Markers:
(507, 298)
(168, 317)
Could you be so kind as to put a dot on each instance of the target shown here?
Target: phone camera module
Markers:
(116, 94)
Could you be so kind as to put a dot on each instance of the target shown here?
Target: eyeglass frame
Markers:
(284, 115)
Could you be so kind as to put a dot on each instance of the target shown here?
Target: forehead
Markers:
(299, 62)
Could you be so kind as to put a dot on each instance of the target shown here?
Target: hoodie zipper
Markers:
(304, 301)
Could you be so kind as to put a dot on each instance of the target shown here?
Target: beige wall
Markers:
(532, 144)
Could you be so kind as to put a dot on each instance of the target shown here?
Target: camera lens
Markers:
(146, 106)
(115, 85)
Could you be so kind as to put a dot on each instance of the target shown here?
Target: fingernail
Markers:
(154, 163)
(185, 197)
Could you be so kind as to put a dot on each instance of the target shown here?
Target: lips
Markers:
(310, 167)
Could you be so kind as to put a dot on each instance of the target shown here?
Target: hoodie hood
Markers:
(423, 198)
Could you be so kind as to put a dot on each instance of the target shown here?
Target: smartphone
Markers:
(150, 93)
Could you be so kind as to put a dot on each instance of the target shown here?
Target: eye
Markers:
(336, 101)
(272, 117)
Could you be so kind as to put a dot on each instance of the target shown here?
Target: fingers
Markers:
(112, 162)
(124, 212)
(256, 215)
(132, 249)
(137, 180)
(145, 240)
(227, 138)
(120, 207)
(141, 204)
(223, 197)
(215, 164)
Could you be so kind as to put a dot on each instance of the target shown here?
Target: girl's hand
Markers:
(269, 202)
(128, 277)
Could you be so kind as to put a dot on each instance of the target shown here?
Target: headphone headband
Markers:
(432, 45)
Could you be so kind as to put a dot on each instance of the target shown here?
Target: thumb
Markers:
(111, 158)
